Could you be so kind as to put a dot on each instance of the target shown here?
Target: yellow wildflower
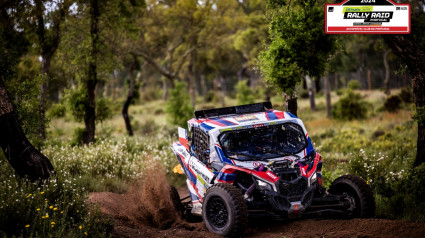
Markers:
(38, 209)
(47, 215)
(85, 233)
(27, 226)
(61, 212)
(29, 195)
(52, 223)
(54, 209)
(51, 207)
(80, 227)
(42, 192)
(43, 217)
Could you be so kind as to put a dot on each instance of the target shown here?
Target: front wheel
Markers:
(357, 194)
(224, 210)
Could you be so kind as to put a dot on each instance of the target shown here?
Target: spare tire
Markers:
(357, 194)
(224, 210)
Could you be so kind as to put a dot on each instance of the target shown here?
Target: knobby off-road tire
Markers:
(359, 192)
(175, 199)
(225, 211)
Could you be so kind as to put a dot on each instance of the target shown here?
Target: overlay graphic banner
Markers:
(367, 17)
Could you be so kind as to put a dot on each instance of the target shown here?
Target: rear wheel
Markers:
(224, 210)
(357, 195)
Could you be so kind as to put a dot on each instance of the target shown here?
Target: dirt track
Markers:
(135, 217)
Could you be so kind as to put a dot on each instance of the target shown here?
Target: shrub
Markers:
(78, 136)
(353, 84)
(244, 94)
(340, 92)
(406, 95)
(211, 96)
(178, 105)
(303, 93)
(392, 103)
(149, 127)
(350, 106)
(57, 208)
(151, 92)
(57, 110)
(76, 99)
(419, 115)
(103, 109)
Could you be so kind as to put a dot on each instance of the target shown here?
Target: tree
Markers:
(134, 65)
(162, 39)
(48, 42)
(299, 46)
(21, 154)
(411, 49)
(90, 105)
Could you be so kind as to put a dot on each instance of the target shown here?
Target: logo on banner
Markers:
(367, 17)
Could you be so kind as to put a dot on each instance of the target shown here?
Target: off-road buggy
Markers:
(253, 160)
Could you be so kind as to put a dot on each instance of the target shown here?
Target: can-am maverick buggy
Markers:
(252, 160)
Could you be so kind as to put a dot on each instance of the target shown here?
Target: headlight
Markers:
(265, 185)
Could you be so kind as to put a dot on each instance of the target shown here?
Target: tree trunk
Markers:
(404, 81)
(21, 154)
(387, 73)
(369, 80)
(336, 80)
(192, 83)
(130, 96)
(241, 73)
(291, 104)
(311, 92)
(405, 47)
(267, 94)
(164, 89)
(90, 106)
(317, 84)
(222, 91)
(304, 83)
(44, 87)
(204, 87)
(328, 97)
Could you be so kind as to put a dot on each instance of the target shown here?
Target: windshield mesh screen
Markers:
(263, 142)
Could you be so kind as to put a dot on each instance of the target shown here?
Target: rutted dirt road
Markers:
(136, 216)
(146, 211)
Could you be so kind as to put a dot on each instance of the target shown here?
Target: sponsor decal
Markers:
(244, 118)
(367, 17)
(272, 176)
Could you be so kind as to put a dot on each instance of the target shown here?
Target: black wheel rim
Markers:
(351, 202)
(217, 213)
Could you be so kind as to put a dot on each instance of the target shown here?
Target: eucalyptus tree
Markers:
(298, 47)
